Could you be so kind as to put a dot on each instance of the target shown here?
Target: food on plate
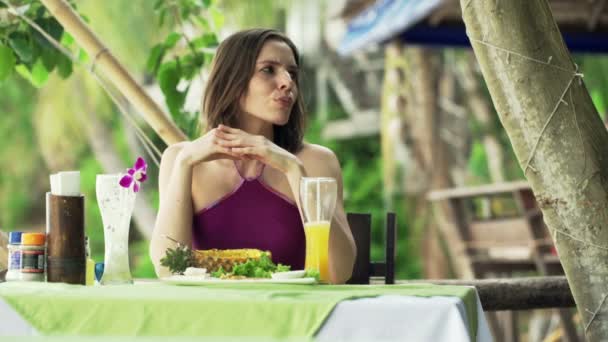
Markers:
(226, 259)
(261, 267)
(224, 264)
(195, 271)
(289, 275)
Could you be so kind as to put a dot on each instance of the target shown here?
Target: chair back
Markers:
(364, 268)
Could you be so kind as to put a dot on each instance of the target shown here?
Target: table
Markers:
(420, 312)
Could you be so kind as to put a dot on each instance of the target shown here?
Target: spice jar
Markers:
(14, 256)
(32, 256)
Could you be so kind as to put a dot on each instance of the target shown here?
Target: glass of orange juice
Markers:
(318, 200)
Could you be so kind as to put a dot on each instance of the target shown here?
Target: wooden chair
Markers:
(361, 227)
(502, 233)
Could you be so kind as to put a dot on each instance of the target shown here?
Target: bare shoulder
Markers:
(319, 160)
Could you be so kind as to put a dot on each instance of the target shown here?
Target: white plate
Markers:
(289, 275)
(198, 280)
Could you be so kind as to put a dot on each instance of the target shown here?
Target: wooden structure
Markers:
(360, 225)
(501, 231)
(572, 16)
(500, 228)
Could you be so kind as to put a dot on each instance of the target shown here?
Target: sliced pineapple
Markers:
(212, 259)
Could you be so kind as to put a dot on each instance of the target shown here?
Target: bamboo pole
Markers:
(109, 66)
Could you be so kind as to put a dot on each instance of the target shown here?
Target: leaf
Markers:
(217, 17)
(51, 27)
(155, 58)
(205, 40)
(172, 39)
(162, 15)
(64, 66)
(203, 23)
(158, 4)
(205, 3)
(37, 77)
(169, 76)
(178, 259)
(39, 73)
(67, 39)
(49, 57)
(7, 61)
(83, 57)
(22, 47)
(54, 28)
(185, 12)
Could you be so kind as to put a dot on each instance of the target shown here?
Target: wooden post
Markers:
(497, 294)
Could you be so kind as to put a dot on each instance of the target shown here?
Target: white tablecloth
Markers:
(384, 318)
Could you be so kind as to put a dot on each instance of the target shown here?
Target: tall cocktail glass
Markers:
(318, 199)
(116, 205)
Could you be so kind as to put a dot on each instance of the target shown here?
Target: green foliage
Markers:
(177, 259)
(7, 61)
(89, 169)
(32, 55)
(253, 268)
(22, 165)
(593, 65)
(312, 273)
(478, 162)
(178, 59)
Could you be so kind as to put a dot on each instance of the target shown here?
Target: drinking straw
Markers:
(318, 200)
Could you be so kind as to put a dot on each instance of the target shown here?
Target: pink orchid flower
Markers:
(135, 176)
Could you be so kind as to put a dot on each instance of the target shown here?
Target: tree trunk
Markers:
(423, 119)
(104, 61)
(389, 115)
(557, 135)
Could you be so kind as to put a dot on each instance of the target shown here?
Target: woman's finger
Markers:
(225, 135)
(234, 143)
(243, 150)
(229, 129)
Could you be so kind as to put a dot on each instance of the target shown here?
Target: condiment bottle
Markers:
(32, 256)
(14, 256)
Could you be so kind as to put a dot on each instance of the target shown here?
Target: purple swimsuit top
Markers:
(253, 215)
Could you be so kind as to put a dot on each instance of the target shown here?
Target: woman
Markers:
(237, 185)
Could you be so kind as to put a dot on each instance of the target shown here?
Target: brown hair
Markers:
(233, 67)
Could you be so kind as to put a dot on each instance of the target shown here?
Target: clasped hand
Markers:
(232, 143)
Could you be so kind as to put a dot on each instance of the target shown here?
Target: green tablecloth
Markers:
(158, 309)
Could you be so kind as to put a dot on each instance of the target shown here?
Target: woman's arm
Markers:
(175, 211)
(174, 217)
(322, 162)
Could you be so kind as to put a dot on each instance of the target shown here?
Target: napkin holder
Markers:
(66, 258)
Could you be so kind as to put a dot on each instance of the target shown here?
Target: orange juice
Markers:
(317, 246)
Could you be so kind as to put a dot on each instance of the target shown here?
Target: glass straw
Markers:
(318, 200)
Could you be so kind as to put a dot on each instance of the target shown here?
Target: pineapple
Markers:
(212, 259)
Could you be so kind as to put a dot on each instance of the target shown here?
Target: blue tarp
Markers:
(388, 19)
(383, 20)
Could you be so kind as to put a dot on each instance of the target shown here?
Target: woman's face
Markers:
(272, 90)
